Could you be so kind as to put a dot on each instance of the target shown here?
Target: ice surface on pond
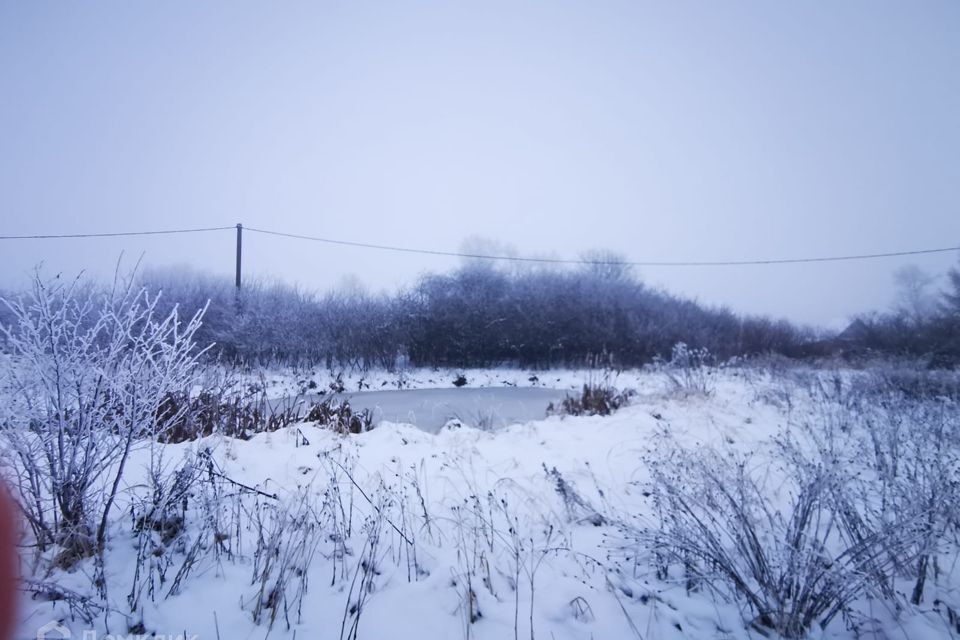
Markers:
(431, 409)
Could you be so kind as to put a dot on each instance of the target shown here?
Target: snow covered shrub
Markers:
(899, 443)
(159, 522)
(924, 475)
(87, 374)
(774, 364)
(287, 539)
(594, 400)
(336, 385)
(184, 417)
(689, 370)
(367, 572)
(918, 384)
(337, 415)
(794, 563)
(579, 510)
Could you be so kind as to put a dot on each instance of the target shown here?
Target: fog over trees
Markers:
(924, 320)
(477, 315)
(484, 314)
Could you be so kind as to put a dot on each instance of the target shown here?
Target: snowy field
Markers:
(555, 528)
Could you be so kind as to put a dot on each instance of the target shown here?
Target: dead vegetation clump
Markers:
(594, 400)
(184, 418)
(340, 417)
(690, 370)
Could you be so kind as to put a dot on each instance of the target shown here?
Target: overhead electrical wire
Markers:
(54, 236)
(492, 257)
(648, 263)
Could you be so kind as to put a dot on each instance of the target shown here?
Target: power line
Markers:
(113, 234)
(480, 256)
(712, 263)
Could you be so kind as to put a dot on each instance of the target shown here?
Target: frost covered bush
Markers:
(857, 496)
(87, 372)
(160, 517)
(916, 384)
(287, 538)
(689, 370)
(900, 432)
(795, 564)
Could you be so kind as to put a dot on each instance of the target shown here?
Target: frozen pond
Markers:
(430, 409)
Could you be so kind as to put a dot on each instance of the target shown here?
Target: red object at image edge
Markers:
(9, 566)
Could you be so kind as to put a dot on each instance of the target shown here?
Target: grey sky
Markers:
(667, 131)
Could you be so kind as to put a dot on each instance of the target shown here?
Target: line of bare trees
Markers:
(924, 320)
(477, 315)
(480, 315)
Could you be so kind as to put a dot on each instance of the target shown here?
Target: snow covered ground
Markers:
(518, 532)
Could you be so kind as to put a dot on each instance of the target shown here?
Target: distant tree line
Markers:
(924, 321)
(477, 315)
(480, 315)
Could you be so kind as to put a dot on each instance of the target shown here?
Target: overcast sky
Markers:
(661, 131)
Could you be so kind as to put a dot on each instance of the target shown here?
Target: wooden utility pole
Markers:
(239, 252)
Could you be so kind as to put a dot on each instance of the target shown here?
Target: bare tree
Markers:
(607, 265)
(87, 372)
(952, 294)
(914, 300)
